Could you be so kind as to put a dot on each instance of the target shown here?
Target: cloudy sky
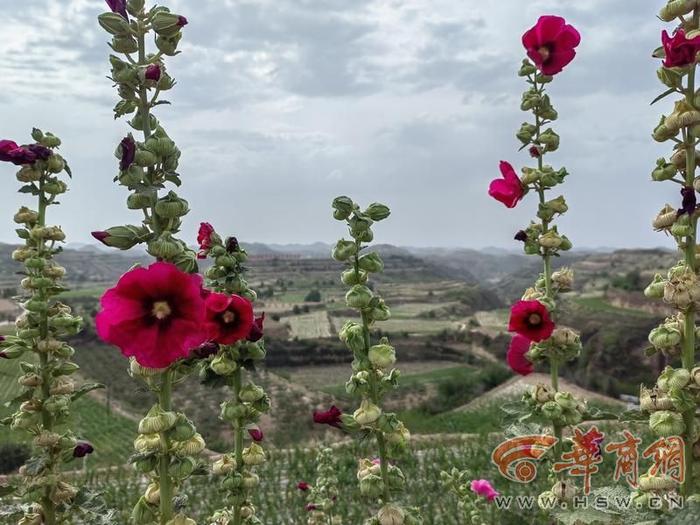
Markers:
(283, 104)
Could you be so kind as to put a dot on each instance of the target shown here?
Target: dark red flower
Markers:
(256, 434)
(515, 357)
(128, 152)
(205, 350)
(535, 152)
(329, 417)
(680, 51)
(17, 155)
(689, 201)
(508, 190)
(550, 44)
(531, 320)
(182, 21)
(153, 72)
(521, 236)
(82, 449)
(232, 245)
(155, 314)
(256, 331)
(311, 506)
(100, 236)
(204, 238)
(229, 317)
(303, 486)
(41, 152)
(118, 6)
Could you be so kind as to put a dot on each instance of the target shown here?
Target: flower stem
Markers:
(237, 381)
(688, 354)
(165, 482)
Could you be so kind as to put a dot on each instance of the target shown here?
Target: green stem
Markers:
(375, 397)
(165, 482)
(238, 444)
(688, 353)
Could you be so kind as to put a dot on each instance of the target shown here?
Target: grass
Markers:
(599, 304)
(313, 325)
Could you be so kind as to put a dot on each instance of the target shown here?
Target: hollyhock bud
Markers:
(344, 250)
(168, 24)
(183, 430)
(350, 277)
(377, 212)
(157, 420)
(563, 279)
(550, 140)
(358, 296)
(115, 23)
(382, 355)
(126, 152)
(223, 365)
(122, 237)
(165, 247)
(192, 447)
(551, 44)
(343, 208)
(665, 423)
(526, 133)
(171, 206)
(224, 465)
(256, 331)
(303, 486)
(153, 72)
(255, 434)
(663, 171)
(253, 455)
(391, 515)
(509, 190)
(251, 393)
(368, 413)
(371, 262)
(353, 335)
(26, 216)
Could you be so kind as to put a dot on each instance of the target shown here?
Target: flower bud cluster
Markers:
(321, 497)
(47, 386)
(560, 407)
(225, 366)
(146, 166)
(373, 372)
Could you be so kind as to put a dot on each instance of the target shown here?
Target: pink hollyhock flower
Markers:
(229, 317)
(531, 320)
(680, 51)
(256, 434)
(303, 486)
(484, 488)
(256, 331)
(153, 72)
(515, 357)
(204, 239)
(154, 314)
(330, 417)
(508, 190)
(550, 44)
(17, 155)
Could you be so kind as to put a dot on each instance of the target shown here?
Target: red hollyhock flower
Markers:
(303, 486)
(153, 72)
(154, 314)
(204, 239)
(680, 51)
(256, 434)
(256, 331)
(17, 155)
(550, 44)
(508, 190)
(515, 357)
(118, 6)
(82, 449)
(330, 417)
(229, 317)
(128, 153)
(531, 320)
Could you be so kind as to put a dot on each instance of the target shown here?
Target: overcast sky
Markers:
(283, 104)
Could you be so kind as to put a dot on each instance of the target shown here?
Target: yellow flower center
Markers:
(544, 52)
(161, 310)
(534, 319)
(228, 317)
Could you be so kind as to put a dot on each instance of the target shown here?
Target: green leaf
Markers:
(88, 387)
(663, 95)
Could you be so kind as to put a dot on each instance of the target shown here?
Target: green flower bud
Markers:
(165, 247)
(382, 355)
(126, 44)
(224, 465)
(663, 170)
(343, 207)
(552, 410)
(353, 335)
(139, 200)
(527, 68)
(26, 216)
(131, 177)
(143, 513)
(350, 277)
(183, 430)
(565, 400)
(391, 515)
(367, 414)
(123, 237)
(371, 486)
(377, 212)
(359, 224)
(223, 365)
(181, 468)
(29, 174)
(380, 311)
(167, 24)
(675, 8)
(251, 393)
(250, 480)
(550, 240)
(655, 290)
(371, 262)
(253, 455)
(114, 24)
(145, 158)
(231, 411)
(187, 262)
(526, 132)
(56, 164)
(358, 296)
(157, 420)
(344, 250)
(168, 44)
(171, 206)
(665, 423)
(550, 140)
(66, 368)
(192, 447)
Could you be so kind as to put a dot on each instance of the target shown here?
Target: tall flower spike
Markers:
(47, 389)
(373, 373)
(238, 339)
(155, 315)
(672, 403)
